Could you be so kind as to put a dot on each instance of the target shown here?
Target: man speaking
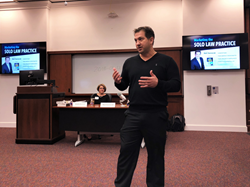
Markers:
(150, 76)
(7, 68)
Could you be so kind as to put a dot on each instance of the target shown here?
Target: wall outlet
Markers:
(215, 90)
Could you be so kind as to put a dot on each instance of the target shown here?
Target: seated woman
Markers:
(99, 97)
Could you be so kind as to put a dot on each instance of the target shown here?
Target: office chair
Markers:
(110, 96)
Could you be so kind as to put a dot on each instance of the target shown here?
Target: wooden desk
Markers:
(91, 119)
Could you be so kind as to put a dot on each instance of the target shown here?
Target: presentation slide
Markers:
(18, 57)
(215, 52)
(24, 62)
(222, 58)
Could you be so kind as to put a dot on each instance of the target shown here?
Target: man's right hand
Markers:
(116, 76)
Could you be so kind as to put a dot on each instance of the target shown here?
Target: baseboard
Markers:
(40, 141)
(8, 124)
(223, 128)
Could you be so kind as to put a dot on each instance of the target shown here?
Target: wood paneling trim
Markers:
(111, 51)
(175, 106)
(60, 70)
(113, 95)
(247, 30)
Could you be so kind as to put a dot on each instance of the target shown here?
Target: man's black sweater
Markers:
(150, 99)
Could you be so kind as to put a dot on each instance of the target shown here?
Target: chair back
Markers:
(110, 96)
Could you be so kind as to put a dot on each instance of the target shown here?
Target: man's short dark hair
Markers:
(197, 51)
(148, 31)
(7, 57)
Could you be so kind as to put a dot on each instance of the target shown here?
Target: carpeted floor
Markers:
(191, 159)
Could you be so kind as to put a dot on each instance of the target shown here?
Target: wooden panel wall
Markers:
(247, 30)
(60, 70)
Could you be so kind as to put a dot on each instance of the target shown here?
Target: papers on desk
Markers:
(80, 104)
(107, 104)
(64, 103)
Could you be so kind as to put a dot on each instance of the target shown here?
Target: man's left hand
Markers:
(149, 82)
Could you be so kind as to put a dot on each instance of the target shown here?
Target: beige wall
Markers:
(89, 27)
(212, 16)
(86, 26)
(225, 111)
(21, 25)
(81, 26)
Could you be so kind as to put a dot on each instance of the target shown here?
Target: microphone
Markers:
(122, 97)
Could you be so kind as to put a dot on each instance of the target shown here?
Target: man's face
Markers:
(7, 60)
(197, 54)
(143, 44)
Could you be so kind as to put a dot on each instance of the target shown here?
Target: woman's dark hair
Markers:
(103, 87)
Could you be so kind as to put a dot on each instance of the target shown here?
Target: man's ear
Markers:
(151, 40)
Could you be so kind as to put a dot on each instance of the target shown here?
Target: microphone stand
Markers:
(121, 102)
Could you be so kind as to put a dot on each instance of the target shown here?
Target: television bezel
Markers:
(42, 45)
(186, 47)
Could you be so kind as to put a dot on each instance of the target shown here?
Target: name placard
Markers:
(107, 104)
(80, 104)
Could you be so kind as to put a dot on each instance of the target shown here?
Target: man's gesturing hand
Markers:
(149, 82)
(116, 76)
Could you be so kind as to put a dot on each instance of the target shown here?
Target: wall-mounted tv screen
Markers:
(215, 52)
(16, 57)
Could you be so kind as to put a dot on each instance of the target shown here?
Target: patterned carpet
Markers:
(191, 159)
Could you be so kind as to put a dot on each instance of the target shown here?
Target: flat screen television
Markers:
(215, 52)
(16, 57)
(31, 77)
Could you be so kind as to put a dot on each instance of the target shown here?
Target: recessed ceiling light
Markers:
(6, 1)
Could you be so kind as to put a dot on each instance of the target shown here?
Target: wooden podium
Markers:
(36, 121)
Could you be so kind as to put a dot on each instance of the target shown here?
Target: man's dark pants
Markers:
(152, 127)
